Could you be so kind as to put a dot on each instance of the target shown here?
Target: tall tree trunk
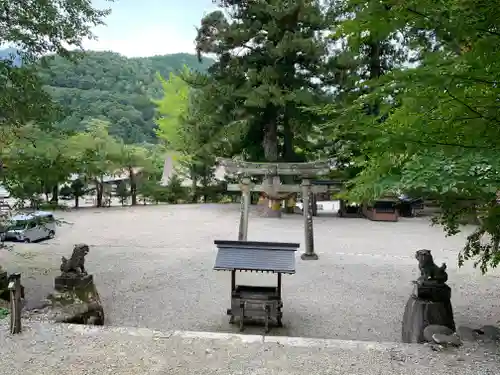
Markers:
(204, 183)
(77, 201)
(270, 142)
(133, 186)
(270, 145)
(375, 49)
(374, 59)
(55, 194)
(289, 154)
(99, 191)
(194, 185)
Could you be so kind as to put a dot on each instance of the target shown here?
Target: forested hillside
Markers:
(113, 88)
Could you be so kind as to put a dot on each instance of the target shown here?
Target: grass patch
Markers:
(4, 312)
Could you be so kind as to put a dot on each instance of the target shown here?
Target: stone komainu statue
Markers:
(429, 271)
(75, 264)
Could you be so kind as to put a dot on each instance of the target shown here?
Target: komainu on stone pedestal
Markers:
(73, 273)
(430, 302)
(75, 299)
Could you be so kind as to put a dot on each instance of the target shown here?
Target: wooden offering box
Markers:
(256, 302)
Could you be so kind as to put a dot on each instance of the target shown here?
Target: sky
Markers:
(138, 28)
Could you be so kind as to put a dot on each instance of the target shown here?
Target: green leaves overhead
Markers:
(40, 27)
(431, 128)
(37, 28)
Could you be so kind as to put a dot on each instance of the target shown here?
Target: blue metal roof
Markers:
(256, 256)
(31, 215)
(42, 213)
(21, 217)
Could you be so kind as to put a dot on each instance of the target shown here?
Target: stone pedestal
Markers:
(77, 303)
(4, 279)
(307, 256)
(420, 313)
(69, 282)
(4, 282)
(432, 292)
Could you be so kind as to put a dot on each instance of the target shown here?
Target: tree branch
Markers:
(414, 11)
(473, 110)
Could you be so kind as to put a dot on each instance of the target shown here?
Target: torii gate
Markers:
(277, 191)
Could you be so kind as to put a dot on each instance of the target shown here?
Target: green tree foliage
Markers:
(37, 28)
(112, 88)
(367, 45)
(122, 191)
(40, 161)
(77, 190)
(36, 163)
(135, 161)
(270, 64)
(174, 191)
(96, 154)
(436, 125)
(172, 112)
(185, 132)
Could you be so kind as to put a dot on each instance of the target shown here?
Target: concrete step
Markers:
(45, 348)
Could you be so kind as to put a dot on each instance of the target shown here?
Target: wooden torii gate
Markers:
(277, 191)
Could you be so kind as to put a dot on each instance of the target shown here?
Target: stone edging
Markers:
(247, 339)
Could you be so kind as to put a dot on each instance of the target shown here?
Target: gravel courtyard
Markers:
(153, 268)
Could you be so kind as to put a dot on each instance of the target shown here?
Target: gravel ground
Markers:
(153, 268)
(44, 349)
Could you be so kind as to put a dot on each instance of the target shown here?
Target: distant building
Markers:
(119, 175)
(169, 169)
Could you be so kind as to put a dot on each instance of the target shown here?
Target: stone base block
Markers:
(76, 306)
(4, 280)
(306, 256)
(436, 293)
(63, 282)
(420, 313)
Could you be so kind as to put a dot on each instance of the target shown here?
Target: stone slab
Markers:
(419, 314)
(46, 349)
(63, 282)
(436, 293)
(81, 305)
(3, 279)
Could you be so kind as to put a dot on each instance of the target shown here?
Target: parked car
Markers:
(30, 227)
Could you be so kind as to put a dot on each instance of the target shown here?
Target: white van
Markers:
(30, 227)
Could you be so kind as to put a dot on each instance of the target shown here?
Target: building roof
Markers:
(256, 256)
(31, 215)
